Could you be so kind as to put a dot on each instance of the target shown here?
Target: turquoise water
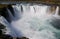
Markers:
(35, 22)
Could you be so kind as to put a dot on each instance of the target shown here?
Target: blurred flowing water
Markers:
(35, 22)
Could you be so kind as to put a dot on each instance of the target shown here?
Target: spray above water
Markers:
(34, 22)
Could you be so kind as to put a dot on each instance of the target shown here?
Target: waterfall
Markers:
(57, 11)
(10, 15)
(9, 30)
(34, 22)
(18, 11)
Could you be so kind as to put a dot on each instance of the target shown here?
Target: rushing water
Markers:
(35, 22)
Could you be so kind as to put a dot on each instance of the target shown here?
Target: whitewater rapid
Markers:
(34, 21)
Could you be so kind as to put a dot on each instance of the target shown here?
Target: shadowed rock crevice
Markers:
(5, 13)
(11, 9)
(59, 10)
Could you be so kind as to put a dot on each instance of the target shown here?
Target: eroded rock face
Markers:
(52, 9)
(5, 13)
(11, 9)
(48, 2)
(59, 11)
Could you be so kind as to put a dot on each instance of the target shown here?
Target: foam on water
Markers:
(34, 22)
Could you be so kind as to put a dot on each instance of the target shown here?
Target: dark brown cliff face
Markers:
(5, 13)
(46, 2)
(52, 2)
(51, 10)
(59, 10)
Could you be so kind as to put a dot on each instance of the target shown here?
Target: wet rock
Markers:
(52, 9)
(59, 11)
(4, 13)
(2, 35)
(11, 9)
(23, 38)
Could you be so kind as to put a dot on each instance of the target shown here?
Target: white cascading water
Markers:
(56, 12)
(9, 30)
(34, 22)
(10, 15)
